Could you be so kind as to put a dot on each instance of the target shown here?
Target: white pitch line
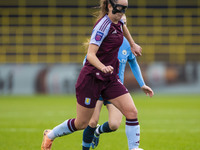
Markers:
(19, 130)
(164, 130)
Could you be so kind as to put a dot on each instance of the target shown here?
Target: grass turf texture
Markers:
(167, 122)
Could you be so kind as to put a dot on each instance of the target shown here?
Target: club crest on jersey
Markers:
(98, 36)
(87, 101)
(124, 52)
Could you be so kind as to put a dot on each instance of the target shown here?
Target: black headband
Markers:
(115, 6)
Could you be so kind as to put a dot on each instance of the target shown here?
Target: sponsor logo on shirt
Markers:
(122, 60)
(98, 36)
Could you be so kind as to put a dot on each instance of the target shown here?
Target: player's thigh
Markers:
(95, 117)
(126, 105)
(83, 116)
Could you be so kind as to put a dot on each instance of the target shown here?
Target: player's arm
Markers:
(136, 71)
(135, 48)
(92, 58)
(138, 75)
(97, 38)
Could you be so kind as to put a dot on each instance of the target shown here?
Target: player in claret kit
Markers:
(99, 77)
(115, 116)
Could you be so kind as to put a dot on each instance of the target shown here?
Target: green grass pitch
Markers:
(167, 122)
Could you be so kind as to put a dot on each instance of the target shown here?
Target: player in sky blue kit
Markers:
(99, 77)
(115, 116)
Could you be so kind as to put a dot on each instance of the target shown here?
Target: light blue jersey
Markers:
(125, 55)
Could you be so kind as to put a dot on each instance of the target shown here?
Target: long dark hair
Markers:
(103, 8)
(99, 14)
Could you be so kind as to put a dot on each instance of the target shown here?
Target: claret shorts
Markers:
(89, 89)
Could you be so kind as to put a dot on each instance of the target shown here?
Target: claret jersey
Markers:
(109, 37)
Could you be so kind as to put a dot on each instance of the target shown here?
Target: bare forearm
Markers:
(128, 36)
(94, 61)
(92, 58)
(135, 48)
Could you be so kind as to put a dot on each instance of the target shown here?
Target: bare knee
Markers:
(80, 125)
(132, 114)
(93, 123)
(114, 125)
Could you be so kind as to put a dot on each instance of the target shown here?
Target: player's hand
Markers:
(107, 69)
(147, 90)
(136, 50)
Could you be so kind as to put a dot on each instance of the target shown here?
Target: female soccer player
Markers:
(115, 116)
(99, 76)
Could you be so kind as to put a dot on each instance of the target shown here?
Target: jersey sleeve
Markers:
(100, 31)
(136, 71)
(131, 55)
